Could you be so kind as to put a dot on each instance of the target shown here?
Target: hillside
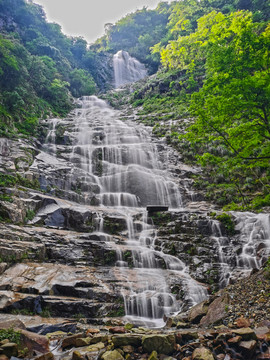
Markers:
(41, 69)
(135, 225)
(213, 86)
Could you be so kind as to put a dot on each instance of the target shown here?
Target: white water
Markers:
(239, 255)
(118, 167)
(127, 69)
(124, 164)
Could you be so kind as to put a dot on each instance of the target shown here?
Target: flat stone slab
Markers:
(156, 208)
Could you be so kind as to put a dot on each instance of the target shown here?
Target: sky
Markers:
(87, 17)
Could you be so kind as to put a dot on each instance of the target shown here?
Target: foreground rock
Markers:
(88, 343)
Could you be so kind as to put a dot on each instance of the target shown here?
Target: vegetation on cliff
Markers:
(213, 59)
(40, 68)
(231, 133)
(215, 71)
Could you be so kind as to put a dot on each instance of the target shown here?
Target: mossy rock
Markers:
(162, 344)
(112, 355)
(122, 340)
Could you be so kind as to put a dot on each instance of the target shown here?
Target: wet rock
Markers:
(92, 331)
(80, 342)
(122, 340)
(9, 349)
(117, 330)
(112, 355)
(186, 335)
(77, 355)
(95, 347)
(248, 348)
(56, 335)
(12, 324)
(202, 354)
(128, 349)
(242, 322)
(71, 340)
(163, 344)
(216, 311)
(48, 356)
(99, 338)
(54, 329)
(197, 312)
(246, 334)
(34, 342)
(182, 325)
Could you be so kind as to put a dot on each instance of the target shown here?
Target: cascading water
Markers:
(124, 164)
(127, 69)
(246, 251)
(112, 165)
(118, 168)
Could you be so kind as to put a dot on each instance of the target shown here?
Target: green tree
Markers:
(81, 83)
(232, 109)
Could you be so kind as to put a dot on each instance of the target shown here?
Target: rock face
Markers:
(66, 250)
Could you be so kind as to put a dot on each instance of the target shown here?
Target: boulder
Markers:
(12, 324)
(202, 354)
(162, 344)
(47, 356)
(77, 355)
(117, 330)
(216, 311)
(92, 331)
(96, 347)
(242, 322)
(122, 340)
(246, 334)
(112, 355)
(247, 348)
(185, 336)
(197, 312)
(99, 338)
(71, 340)
(35, 342)
(9, 349)
(80, 342)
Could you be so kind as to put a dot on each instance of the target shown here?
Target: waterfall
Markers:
(117, 167)
(240, 254)
(113, 166)
(127, 69)
(125, 166)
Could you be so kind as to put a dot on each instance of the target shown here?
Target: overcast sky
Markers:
(87, 17)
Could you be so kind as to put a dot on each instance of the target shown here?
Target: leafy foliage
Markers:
(40, 67)
(231, 133)
(10, 334)
(137, 33)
